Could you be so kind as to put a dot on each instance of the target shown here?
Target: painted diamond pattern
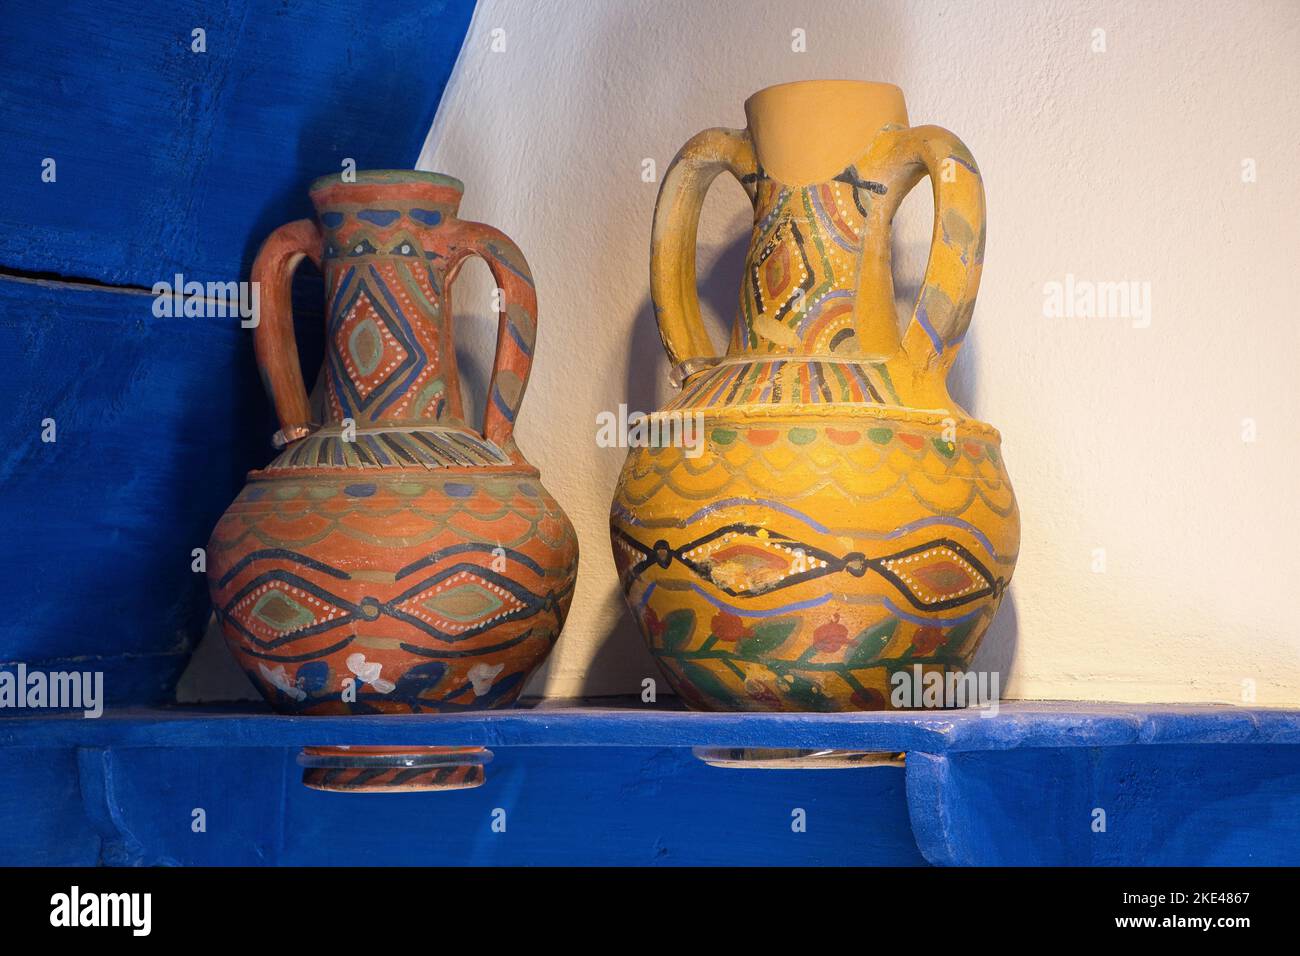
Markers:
(274, 610)
(937, 575)
(461, 602)
(747, 560)
(628, 554)
(468, 603)
(752, 561)
(281, 612)
(280, 608)
(780, 271)
(375, 357)
(368, 348)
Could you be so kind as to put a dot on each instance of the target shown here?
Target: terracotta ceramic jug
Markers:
(392, 559)
(843, 520)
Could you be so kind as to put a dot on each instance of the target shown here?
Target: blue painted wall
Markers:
(172, 160)
(166, 161)
(154, 420)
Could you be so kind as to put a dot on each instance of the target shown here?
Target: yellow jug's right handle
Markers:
(901, 158)
(672, 241)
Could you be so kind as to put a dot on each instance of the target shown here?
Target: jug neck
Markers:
(389, 350)
(813, 273)
(811, 284)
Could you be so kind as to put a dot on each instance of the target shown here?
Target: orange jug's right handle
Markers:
(516, 323)
(672, 242)
(942, 314)
(273, 339)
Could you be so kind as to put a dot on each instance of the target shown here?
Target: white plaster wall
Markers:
(1123, 165)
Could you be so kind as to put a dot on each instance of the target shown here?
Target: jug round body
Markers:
(359, 592)
(800, 559)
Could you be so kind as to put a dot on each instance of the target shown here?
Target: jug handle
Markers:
(516, 324)
(946, 302)
(273, 338)
(673, 237)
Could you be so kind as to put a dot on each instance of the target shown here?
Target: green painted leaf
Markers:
(871, 643)
(679, 625)
(708, 683)
(807, 695)
(768, 635)
(957, 636)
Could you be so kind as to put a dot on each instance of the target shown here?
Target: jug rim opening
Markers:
(883, 86)
(388, 177)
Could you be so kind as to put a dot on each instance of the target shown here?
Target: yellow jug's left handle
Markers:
(902, 158)
(672, 241)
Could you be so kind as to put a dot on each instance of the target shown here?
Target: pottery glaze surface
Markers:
(391, 559)
(843, 518)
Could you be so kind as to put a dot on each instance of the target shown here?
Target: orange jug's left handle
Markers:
(273, 339)
(516, 324)
(946, 302)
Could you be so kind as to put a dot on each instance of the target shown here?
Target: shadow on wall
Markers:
(910, 249)
(997, 650)
(646, 366)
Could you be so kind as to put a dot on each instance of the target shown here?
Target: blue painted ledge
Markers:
(1019, 724)
(1042, 783)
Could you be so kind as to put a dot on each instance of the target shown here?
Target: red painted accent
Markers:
(729, 627)
(831, 636)
(927, 640)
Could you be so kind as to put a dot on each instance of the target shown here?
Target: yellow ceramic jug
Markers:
(840, 526)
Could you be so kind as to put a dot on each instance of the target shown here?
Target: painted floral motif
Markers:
(368, 673)
(481, 677)
(927, 640)
(729, 627)
(278, 679)
(830, 636)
